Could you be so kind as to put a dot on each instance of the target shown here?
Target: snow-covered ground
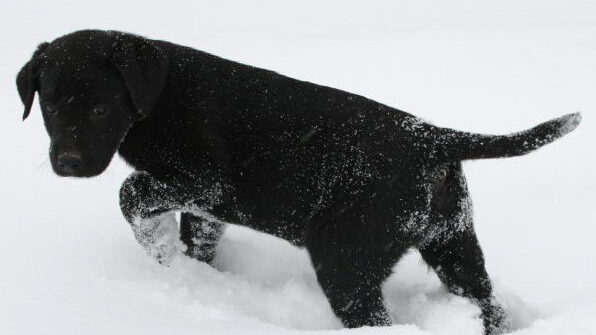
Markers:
(70, 264)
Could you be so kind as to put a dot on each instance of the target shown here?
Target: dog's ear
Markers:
(143, 67)
(28, 79)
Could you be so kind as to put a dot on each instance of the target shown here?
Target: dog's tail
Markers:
(456, 145)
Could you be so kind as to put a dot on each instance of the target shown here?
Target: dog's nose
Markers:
(69, 162)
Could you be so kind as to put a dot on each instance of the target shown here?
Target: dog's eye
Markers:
(51, 110)
(100, 110)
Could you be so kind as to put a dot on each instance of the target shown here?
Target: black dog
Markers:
(355, 182)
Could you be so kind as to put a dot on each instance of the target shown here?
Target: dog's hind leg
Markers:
(352, 257)
(352, 283)
(459, 264)
(200, 236)
(454, 252)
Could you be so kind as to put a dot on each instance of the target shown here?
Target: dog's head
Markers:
(92, 86)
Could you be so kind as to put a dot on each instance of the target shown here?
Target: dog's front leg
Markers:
(149, 206)
(200, 236)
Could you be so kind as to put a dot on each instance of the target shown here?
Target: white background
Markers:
(70, 264)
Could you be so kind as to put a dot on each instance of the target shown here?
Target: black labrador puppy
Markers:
(355, 182)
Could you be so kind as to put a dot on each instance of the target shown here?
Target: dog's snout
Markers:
(69, 162)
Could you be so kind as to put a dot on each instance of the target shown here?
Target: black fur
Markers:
(355, 182)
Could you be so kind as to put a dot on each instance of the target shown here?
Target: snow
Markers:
(71, 264)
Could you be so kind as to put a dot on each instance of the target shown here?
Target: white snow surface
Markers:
(72, 266)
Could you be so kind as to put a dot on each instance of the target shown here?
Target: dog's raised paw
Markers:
(159, 236)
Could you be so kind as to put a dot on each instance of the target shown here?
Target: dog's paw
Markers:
(163, 253)
(160, 237)
(496, 319)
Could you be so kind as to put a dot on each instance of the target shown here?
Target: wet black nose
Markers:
(69, 162)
